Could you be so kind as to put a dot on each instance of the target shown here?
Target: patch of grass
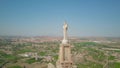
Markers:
(81, 66)
(89, 65)
(24, 50)
(87, 43)
(95, 65)
(1, 61)
(116, 50)
(114, 65)
(7, 56)
(96, 54)
(111, 57)
(32, 60)
(42, 53)
(56, 57)
(16, 66)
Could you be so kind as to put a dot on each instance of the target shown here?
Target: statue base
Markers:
(64, 41)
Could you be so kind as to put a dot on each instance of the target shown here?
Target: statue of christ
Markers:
(65, 28)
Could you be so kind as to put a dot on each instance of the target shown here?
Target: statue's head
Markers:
(65, 26)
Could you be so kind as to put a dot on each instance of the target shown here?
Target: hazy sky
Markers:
(46, 17)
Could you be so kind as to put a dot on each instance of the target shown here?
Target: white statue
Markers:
(65, 28)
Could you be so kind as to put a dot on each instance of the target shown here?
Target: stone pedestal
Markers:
(64, 60)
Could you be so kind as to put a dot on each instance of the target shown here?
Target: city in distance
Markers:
(37, 52)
